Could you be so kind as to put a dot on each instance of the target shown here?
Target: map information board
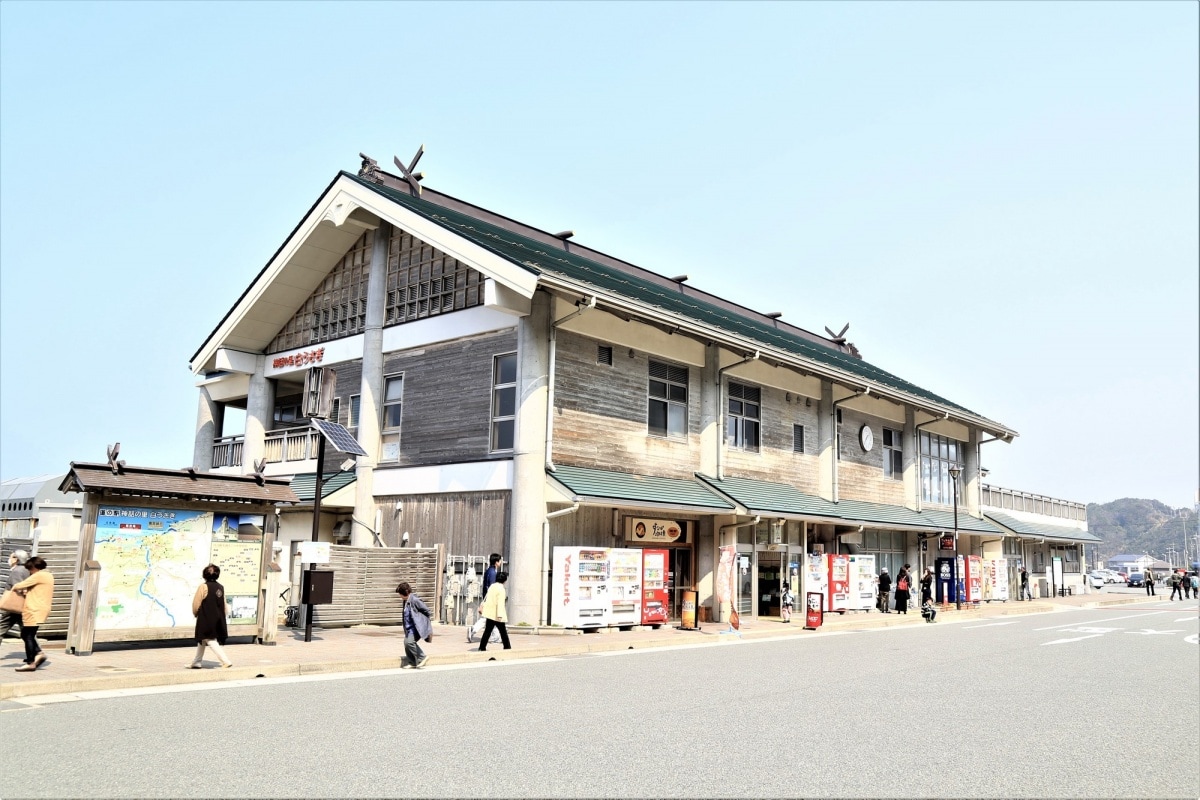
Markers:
(151, 561)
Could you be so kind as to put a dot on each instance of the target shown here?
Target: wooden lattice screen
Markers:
(364, 584)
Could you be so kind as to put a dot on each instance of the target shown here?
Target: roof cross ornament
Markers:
(839, 339)
(414, 179)
(113, 464)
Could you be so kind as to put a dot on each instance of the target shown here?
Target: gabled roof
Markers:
(780, 499)
(1027, 529)
(583, 484)
(610, 281)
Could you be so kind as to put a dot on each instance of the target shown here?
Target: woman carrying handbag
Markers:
(38, 589)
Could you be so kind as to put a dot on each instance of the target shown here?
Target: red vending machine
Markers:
(974, 576)
(655, 603)
(839, 582)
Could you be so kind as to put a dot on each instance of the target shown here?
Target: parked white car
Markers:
(1097, 579)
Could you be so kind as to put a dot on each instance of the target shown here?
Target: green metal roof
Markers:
(305, 484)
(1036, 529)
(599, 483)
(537, 258)
(764, 497)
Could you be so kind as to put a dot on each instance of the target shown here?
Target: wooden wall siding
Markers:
(587, 527)
(61, 559)
(600, 413)
(422, 282)
(858, 482)
(365, 580)
(465, 523)
(448, 399)
(776, 460)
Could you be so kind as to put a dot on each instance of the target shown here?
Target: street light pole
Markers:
(960, 582)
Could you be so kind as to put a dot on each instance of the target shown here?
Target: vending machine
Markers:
(839, 582)
(862, 582)
(945, 581)
(581, 587)
(625, 586)
(655, 603)
(974, 579)
(816, 578)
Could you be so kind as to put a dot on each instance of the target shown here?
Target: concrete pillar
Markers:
(260, 415)
(969, 491)
(371, 392)
(910, 451)
(529, 467)
(210, 416)
(826, 441)
(710, 411)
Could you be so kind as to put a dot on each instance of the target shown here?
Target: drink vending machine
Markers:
(595, 587)
(839, 582)
(655, 603)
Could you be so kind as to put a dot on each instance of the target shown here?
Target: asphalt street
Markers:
(1090, 702)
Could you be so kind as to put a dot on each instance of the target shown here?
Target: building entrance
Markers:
(679, 578)
(769, 584)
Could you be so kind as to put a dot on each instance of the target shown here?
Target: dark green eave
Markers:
(1037, 530)
(780, 499)
(305, 484)
(584, 483)
(539, 258)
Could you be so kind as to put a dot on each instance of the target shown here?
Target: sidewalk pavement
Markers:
(131, 665)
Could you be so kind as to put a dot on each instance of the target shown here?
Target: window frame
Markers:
(672, 377)
(893, 453)
(937, 454)
(738, 423)
(354, 411)
(498, 422)
(389, 434)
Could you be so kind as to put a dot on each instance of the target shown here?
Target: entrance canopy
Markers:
(604, 487)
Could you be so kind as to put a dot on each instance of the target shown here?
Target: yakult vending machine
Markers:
(654, 587)
(594, 587)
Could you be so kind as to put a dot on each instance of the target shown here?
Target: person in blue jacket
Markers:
(416, 627)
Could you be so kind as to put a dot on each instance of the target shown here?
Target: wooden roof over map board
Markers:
(176, 484)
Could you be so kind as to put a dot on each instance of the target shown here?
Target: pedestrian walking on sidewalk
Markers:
(489, 574)
(208, 607)
(1176, 586)
(1195, 581)
(16, 574)
(902, 590)
(1025, 593)
(885, 590)
(786, 599)
(927, 586)
(38, 589)
(416, 627)
(495, 611)
(1148, 579)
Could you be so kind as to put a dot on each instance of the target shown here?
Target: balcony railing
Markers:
(281, 446)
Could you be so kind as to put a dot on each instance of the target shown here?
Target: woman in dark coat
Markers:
(209, 608)
(903, 581)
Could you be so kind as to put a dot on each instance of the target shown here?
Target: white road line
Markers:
(1077, 639)
(1114, 619)
(989, 625)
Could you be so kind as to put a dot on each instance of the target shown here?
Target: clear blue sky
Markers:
(1000, 198)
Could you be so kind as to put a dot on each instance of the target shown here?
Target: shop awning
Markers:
(598, 486)
(1034, 530)
(781, 500)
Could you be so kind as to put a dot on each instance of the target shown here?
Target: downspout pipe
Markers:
(917, 445)
(833, 410)
(721, 413)
(546, 557)
(584, 305)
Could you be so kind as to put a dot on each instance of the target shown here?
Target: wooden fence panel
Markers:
(61, 558)
(365, 579)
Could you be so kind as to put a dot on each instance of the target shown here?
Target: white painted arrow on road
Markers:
(1076, 639)
(989, 625)
(1148, 632)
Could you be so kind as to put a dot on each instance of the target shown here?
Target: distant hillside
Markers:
(1142, 526)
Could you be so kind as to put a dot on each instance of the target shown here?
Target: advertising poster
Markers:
(816, 578)
(813, 615)
(151, 561)
(643, 530)
(725, 574)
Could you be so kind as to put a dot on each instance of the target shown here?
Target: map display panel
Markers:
(151, 561)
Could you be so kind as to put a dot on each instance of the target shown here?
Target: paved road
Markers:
(1049, 705)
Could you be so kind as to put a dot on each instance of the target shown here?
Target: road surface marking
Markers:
(1114, 619)
(989, 625)
(1076, 639)
(1150, 632)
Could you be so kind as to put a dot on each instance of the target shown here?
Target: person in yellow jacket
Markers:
(38, 589)
(495, 612)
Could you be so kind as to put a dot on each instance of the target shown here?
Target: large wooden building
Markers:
(517, 391)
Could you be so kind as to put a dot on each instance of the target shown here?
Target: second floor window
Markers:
(893, 457)
(393, 398)
(742, 419)
(352, 422)
(666, 411)
(504, 402)
(938, 454)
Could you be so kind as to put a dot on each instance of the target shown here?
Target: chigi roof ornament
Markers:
(840, 340)
(413, 178)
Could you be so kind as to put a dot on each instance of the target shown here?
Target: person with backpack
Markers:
(902, 590)
(785, 603)
(1148, 579)
(1174, 583)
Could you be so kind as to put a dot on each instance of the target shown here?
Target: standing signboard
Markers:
(813, 615)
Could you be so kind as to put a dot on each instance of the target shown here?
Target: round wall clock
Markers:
(866, 438)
